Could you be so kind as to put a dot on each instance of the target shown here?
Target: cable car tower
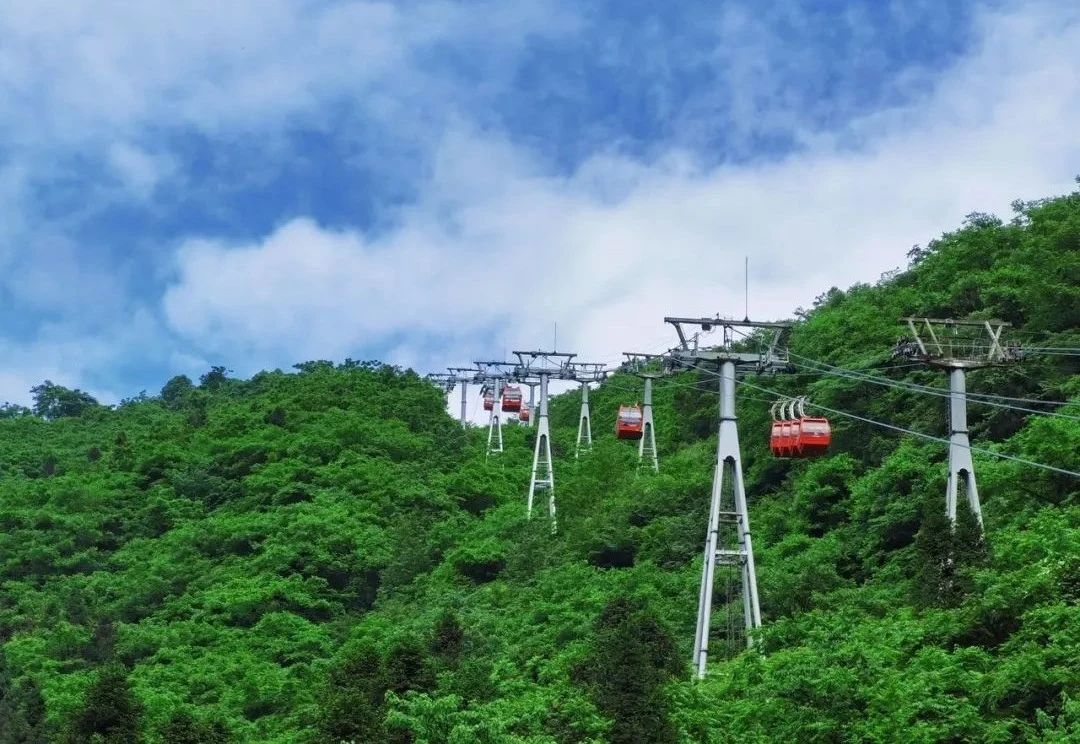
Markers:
(542, 366)
(958, 346)
(493, 375)
(636, 364)
(450, 380)
(532, 401)
(727, 540)
(585, 373)
(463, 376)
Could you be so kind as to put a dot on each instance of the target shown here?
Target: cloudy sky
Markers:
(257, 183)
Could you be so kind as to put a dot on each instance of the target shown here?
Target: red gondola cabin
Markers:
(814, 436)
(775, 437)
(511, 399)
(489, 402)
(523, 414)
(799, 436)
(629, 424)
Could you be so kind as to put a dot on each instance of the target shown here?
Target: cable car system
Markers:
(794, 434)
(749, 348)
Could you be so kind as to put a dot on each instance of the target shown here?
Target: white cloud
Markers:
(89, 93)
(138, 170)
(73, 72)
(607, 252)
(73, 359)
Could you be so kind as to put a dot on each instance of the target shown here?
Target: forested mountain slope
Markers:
(326, 556)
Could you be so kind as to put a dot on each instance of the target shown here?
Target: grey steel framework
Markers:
(448, 381)
(495, 437)
(585, 373)
(494, 374)
(584, 430)
(957, 346)
(727, 540)
(636, 363)
(532, 401)
(542, 366)
(464, 376)
(647, 443)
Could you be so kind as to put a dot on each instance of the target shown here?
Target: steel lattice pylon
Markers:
(543, 474)
(647, 444)
(958, 346)
(728, 543)
(495, 433)
(542, 367)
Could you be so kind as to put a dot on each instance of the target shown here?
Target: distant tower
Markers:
(542, 367)
(638, 364)
(494, 374)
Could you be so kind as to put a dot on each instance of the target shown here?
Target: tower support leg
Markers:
(647, 444)
(543, 474)
(584, 432)
(464, 402)
(495, 437)
(728, 540)
(961, 467)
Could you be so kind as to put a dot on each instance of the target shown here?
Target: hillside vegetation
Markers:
(324, 555)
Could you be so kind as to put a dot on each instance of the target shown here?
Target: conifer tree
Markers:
(933, 562)
(22, 711)
(184, 728)
(632, 656)
(110, 714)
(353, 705)
(448, 638)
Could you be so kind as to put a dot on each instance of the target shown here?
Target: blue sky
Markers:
(255, 184)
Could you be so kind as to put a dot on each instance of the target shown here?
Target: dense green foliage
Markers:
(326, 556)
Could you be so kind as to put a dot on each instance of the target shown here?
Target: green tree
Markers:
(52, 401)
(632, 656)
(177, 391)
(184, 728)
(933, 572)
(448, 637)
(22, 712)
(353, 704)
(215, 379)
(110, 713)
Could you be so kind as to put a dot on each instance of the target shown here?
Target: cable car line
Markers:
(903, 430)
(927, 387)
(915, 388)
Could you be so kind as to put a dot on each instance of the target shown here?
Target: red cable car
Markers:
(815, 434)
(794, 434)
(774, 437)
(489, 402)
(511, 399)
(523, 414)
(788, 437)
(630, 423)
